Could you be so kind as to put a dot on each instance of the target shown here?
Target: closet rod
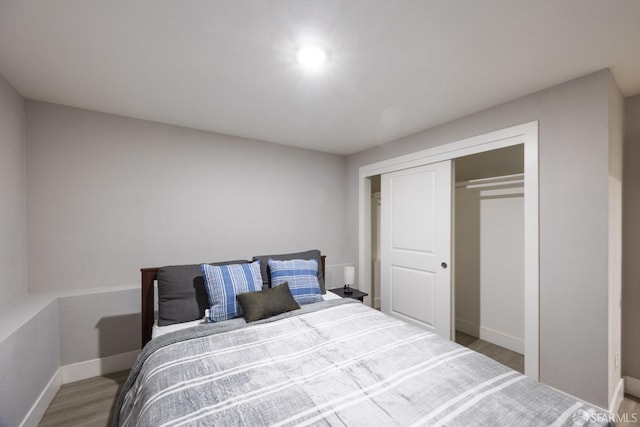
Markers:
(516, 179)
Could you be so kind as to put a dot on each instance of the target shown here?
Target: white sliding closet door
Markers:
(416, 246)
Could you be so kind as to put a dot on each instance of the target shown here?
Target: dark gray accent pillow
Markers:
(181, 293)
(311, 254)
(267, 303)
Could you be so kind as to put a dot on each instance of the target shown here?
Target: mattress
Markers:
(335, 362)
(158, 331)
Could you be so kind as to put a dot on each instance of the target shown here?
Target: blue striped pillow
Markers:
(224, 282)
(302, 276)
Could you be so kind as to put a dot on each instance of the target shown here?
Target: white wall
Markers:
(631, 241)
(489, 265)
(13, 208)
(574, 220)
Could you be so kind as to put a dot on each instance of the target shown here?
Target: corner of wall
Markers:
(13, 176)
(616, 132)
(631, 242)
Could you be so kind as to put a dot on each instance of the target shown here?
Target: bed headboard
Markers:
(149, 276)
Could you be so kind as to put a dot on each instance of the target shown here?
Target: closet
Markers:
(489, 247)
(455, 232)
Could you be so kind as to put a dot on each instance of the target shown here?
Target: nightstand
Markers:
(355, 295)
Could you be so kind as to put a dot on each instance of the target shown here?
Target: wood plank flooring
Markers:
(500, 354)
(85, 403)
(90, 402)
(629, 411)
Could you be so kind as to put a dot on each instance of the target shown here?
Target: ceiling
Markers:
(394, 67)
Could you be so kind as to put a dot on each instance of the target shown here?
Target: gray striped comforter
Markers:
(331, 363)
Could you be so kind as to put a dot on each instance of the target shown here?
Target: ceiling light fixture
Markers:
(311, 57)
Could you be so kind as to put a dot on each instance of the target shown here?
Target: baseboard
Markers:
(490, 335)
(632, 386)
(96, 367)
(616, 399)
(469, 328)
(598, 407)
(41, 404)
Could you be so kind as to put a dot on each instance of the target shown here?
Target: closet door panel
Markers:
(413, 295)
(416, 246)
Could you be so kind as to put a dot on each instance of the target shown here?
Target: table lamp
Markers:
(349, 275)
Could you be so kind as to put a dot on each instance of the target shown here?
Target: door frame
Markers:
(526, 134)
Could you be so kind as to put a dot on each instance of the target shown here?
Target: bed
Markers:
(332, 362)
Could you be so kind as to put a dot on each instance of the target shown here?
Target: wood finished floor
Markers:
(500, 354)
(90, 402)
(630, 406)
(85, 403)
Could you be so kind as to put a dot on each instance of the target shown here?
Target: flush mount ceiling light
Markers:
(311, 57)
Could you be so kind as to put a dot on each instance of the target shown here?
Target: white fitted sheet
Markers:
(162, 330)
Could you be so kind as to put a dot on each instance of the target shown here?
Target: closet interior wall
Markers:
(375, 240)
(489, 247)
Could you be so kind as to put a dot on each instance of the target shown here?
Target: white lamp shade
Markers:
(349, 274)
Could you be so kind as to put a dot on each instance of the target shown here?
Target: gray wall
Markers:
(29, 356)
(110, 325)
(573, 156)
(13, 208)
(28, 360)
(631, 241)
(616, 143)
(108, 195)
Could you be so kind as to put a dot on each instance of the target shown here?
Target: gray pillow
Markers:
(311, 254)
(267, 303)
(181, 293)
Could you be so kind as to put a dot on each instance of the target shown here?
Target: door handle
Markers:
(444, 265)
